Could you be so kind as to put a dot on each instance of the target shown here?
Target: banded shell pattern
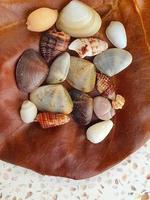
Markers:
(48, 120)
(105, 86)
(53, 43)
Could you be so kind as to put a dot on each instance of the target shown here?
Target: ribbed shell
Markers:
(105, 86)
(31, 71)
(119, 102)
(53, 43)
(48, 120)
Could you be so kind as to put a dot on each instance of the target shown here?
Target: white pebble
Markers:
(99, 131)
(28, 112)
(116, 34)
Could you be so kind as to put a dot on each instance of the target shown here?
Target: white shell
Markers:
(59, 69)
(116, 34)
(79, 20)
(88, 46)
(28, 111)
(112, 61)
(99, 131)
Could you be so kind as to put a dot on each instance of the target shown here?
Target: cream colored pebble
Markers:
(99, 131)
(28, 111)
(41, 19)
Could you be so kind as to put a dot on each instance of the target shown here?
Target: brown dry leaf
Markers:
(64, 151)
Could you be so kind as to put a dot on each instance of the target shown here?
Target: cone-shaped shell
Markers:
(82, 74)
(52, 98)
(48, 120)
(112, 61)
(88, 46)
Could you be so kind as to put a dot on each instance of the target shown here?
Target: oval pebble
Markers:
(116, 34)
(99, 131)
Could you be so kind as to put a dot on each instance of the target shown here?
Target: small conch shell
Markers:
(48, 120)
(105, 86)
(119, 102)
(88, 46)
(53, 43)
(28, 111)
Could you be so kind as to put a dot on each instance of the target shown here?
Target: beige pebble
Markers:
(41, 19)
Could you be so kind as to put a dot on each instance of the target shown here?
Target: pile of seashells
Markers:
(54, 68)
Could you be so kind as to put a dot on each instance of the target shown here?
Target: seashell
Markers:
(79, 20)
(53, 43)
(41, 19)
(31, 71)
(109, 93)
(52, 98)
(59, 69)
(99, 131)
(103, 108)
(119, 102)
(48, 120)
(116, 34)
(28, 112)
(105, 86)
(112, 61)
(83, 107)
(82, 74)
(88, 46)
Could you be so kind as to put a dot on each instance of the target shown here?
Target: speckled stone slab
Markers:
(129, 180)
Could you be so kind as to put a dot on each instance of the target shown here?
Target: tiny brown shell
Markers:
(48, 120)
(53, 43)
(83, 106)
(105, 86)
(119, 102)
(31, 71)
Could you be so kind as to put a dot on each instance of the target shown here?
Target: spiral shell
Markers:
(119, 102)
(105, 86)
(88, 46)
(48, 120)
(53, 43)
(28, 112)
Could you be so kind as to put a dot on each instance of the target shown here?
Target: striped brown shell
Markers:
(53, 43)
(48, 120)
(105, 86)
